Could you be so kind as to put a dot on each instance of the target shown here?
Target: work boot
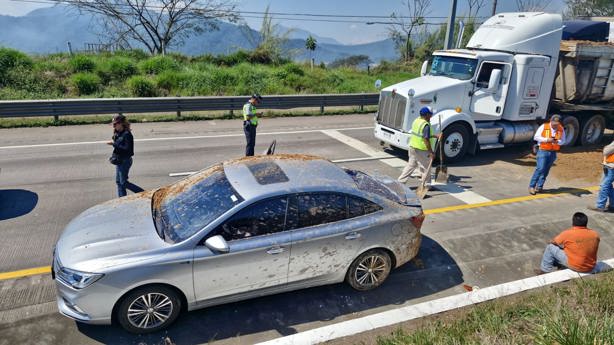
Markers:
(538, 189)
(531, 190)
(539, 272)
(598, 209)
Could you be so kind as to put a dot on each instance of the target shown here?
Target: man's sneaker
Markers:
(531, 190)
(538, 189)
(598, 209)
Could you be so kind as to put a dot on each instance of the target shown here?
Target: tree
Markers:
(589, 8)
(403, 26)
(157, 24)
(270, 41)
(351, 61)
(310, 44)
(532, 5)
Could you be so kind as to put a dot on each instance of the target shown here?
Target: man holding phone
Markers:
(250, 122)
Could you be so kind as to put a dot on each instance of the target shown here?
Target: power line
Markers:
(259, 14)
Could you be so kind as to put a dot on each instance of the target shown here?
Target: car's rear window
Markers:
(368, 184)
(191, 208)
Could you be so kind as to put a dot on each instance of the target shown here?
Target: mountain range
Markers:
(47, 30)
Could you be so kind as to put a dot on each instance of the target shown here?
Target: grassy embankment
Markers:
(136, 74)
(580, 312)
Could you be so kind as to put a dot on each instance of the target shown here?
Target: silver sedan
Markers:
(245, 228)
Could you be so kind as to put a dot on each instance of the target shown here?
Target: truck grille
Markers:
(391, 110)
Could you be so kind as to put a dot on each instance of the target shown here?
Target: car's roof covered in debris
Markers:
(254, 177)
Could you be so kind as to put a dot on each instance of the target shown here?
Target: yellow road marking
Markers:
(25, 273)
(573, 191)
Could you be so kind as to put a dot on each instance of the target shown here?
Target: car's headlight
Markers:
(77, 279)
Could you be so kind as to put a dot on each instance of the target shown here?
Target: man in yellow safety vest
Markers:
(250, 122)
(606, 190)
(421, 145)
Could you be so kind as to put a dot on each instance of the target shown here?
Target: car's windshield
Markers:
(191, 204)
(453, 67)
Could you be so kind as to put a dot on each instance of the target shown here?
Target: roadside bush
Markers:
(140, 86)
(158, 64)
(117, 68)
(170, 81)
(82, 63)
(9, 59)
(85, 83)
(238, 57)
(136, 54)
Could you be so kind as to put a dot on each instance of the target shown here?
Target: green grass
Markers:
(133, 73)
(140, 118)
(580, 312)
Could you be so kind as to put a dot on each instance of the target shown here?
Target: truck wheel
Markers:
(572, 130)
(592, 130)
(455, 142)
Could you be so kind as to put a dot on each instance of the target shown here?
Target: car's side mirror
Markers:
(425, 65)
(217, 244)
(495, 78)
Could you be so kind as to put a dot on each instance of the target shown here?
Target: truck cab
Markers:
(485, 96)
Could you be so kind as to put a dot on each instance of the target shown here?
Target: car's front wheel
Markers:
(148, 309)
(369, 270)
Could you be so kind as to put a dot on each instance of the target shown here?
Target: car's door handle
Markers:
(275, 250)
(352, 236)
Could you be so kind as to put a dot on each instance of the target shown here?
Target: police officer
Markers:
(421, 144)
(250, 122)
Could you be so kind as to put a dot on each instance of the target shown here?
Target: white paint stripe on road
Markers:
(460, 193)
(453, 190)
(356, 144)
(178, 138)
(403, 314)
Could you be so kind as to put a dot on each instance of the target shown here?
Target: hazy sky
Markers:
(346, 32)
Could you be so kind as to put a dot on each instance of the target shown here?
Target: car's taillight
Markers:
(418, 220)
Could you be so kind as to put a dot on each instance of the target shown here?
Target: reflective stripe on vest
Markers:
(416, 140)
(546, 133)
(608, 159)
(248, 109)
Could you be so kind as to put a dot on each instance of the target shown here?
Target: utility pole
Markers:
(451, 19)
(494, 7)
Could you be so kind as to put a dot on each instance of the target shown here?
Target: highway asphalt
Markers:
(50, 175)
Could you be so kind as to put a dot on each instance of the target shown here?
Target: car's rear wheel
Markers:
(148, 309)
(369, 270)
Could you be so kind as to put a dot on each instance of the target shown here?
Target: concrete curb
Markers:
(395, 316)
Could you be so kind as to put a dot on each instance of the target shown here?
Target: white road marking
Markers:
(177, 138)
(453, 190)
(460, 193)
(411, 312)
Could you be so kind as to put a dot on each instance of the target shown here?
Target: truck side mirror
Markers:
(495, 78)
(425, 64)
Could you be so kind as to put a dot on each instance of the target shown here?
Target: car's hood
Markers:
(109, 234)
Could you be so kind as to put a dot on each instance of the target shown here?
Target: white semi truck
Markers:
(514, 72)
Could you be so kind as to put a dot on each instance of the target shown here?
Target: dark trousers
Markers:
(121, 179)
(250, 137)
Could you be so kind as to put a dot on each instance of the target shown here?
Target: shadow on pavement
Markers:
(433, 270)
(16, 203)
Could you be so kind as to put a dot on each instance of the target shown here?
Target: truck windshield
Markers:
(453, 67)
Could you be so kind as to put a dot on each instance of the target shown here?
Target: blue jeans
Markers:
(121, 179)
(554, 256)
(545, 159)
(606, 190)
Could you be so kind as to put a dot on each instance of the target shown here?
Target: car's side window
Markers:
(360, 207)
(262, 218)
(321, 208)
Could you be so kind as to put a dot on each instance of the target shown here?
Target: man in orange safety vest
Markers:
(550, 137)
(606, 190)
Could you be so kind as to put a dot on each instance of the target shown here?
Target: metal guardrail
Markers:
(60, 107)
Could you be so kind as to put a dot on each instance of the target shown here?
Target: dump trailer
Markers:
(513, 74)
